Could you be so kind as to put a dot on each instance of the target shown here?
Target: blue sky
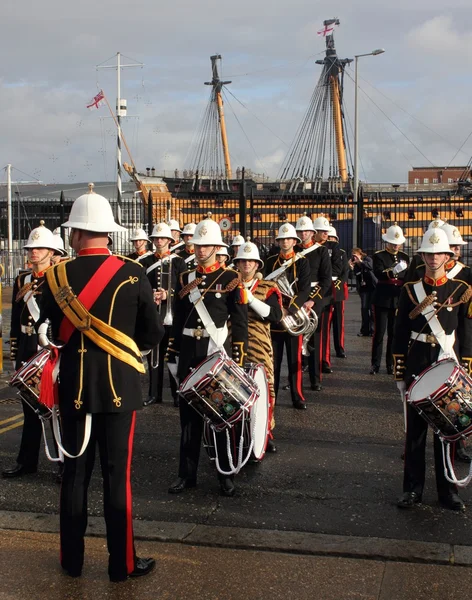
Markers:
(269, 48)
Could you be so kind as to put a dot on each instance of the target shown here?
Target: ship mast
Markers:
(334, 66)
(217, 87)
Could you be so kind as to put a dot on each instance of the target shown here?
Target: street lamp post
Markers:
(355, 214)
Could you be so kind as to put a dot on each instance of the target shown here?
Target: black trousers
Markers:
(156, 376)
(415, 464)
(191, 423)
(384, 320)
(113, 433)
(326, 319)
(338, 326)
(293, 344)
(315, 346)
(367, 317)
(28, 455)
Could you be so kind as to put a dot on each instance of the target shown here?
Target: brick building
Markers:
(431, 175)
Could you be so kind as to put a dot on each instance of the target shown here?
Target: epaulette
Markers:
(233, 284)
(379, 251)
(189, 287)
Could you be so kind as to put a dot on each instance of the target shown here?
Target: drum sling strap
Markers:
(77, 317)
(446, 343)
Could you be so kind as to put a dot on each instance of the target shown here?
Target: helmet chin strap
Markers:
(434, 269)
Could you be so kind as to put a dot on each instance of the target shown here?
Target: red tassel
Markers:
(48, 393)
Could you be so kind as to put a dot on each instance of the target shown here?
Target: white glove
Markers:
(398, 268)
(145, 352)
(259, 307)
(401, 385)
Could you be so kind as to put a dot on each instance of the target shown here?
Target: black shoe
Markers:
(341, 355)
(75, 572)
(316, 387)
(452, 502)
(181, 484)
(143, 567)
(462, 456)
(149, 400)
(300, 404)
(227, 487)
(18, 471)
(373, 370)
(389, 370)
(158, 400)
(364, 335)
(271, 447)
(326, 370)
(408, 500)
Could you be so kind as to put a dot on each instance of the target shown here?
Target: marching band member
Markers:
(422, 338)
(175, 230)
(322, 226)
(297, 271)
(320, 282)
(417, 259)
(222, 256)
(60, 253)
(26, 304)
(140, 242)
(264, 307)
(187, 253)
(213, 294)
(163, 270)
(98, 380)
(340, 295)
(236, 243)
(390, 267)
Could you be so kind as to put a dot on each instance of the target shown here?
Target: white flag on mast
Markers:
(327, 29)
(97, 100)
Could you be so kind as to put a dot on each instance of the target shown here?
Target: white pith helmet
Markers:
(223, 251)
(453, 235)
(435, 241)
(161, 230)
(249, 251)
(41, 237)
(305, 224)
(321, 224)
(287, 231)
(332, 233)
(189, 229)
(138, 234)
(174, 225)
(394, 235)
(92, 212)
(238, 240)
(436, 223)
(208, 233)
(60, 249)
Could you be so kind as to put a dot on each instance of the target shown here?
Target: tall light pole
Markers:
(355, 215)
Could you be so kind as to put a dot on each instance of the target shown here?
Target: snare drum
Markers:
(219, 390)
(442, 395)
(28, 382)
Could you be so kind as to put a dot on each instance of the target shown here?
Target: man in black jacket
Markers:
(101, 307)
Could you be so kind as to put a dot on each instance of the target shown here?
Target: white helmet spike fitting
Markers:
(332, 233)
(41, 237)
(138, 234)
(208, 233)
(287, 231)
(453, 235)
(394, 235)
(435, 241)
(189, 229)
(238, 240)
(92, 212)
(321, 224)
(305, 224)
(161, 230)
(174, 225)
(436, 223)
(249, 251)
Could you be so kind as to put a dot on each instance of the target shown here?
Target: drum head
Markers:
(204, 368)
(431, 380)
(259, 418)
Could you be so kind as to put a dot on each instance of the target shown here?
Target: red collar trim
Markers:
(308, 244)
(141, 252)
(214, 267)
(436, 282)
(157, 255)
(39, 273)
(450, 264)
(291, 254)
(94, 251)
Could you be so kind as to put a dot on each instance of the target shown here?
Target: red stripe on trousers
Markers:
(328, 336)
(341, 326)
(130, 566)
(299, 367)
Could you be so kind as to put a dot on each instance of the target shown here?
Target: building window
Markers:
(426, 180)
(417, 181)
(435, 180)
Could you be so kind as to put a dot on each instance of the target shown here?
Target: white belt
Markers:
(314, 284)
(28, 329)
(196, 333)
(427, 338)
